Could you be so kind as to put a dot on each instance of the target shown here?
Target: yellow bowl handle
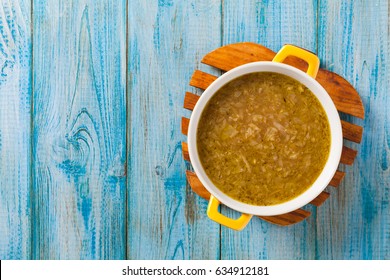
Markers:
(290, 50)
(212, 212)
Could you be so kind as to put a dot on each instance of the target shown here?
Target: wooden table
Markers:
(91, 96)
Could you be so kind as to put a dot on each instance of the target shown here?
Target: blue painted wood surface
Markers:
(15, 129)
(166, 220)
(94, 170)
(355, 224)
(79, 130)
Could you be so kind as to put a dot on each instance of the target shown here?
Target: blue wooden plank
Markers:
(167, 40)
(79, 121)
(79, 146)
(15, 131)
(273, 24)
(354, 42)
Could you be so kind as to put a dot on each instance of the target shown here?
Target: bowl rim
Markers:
(335, 149)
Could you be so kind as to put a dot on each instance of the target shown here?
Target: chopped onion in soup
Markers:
(263, 138)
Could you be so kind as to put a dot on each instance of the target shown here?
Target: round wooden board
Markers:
(344, 96)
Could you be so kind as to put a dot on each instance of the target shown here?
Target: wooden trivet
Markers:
(344, 96)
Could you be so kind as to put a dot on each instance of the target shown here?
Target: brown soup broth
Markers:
(263, 138)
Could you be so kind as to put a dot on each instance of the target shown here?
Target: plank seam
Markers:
(127, 129)
(32, 166)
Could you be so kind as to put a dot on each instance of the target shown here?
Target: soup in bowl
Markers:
(265, 139)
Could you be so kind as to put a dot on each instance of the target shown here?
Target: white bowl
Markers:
(335, 148)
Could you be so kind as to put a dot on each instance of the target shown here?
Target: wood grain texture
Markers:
(354, 42)
(196, 185)
(185, 152)
(352, 131)
(271, 23)
(201, 79)
(190, 100)
(348, 155)
(286, 219)
(79, 142)
(185, 123)
(78, 203)
(319, 200)
(15, 130)
(166, 219)
(337, 178)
